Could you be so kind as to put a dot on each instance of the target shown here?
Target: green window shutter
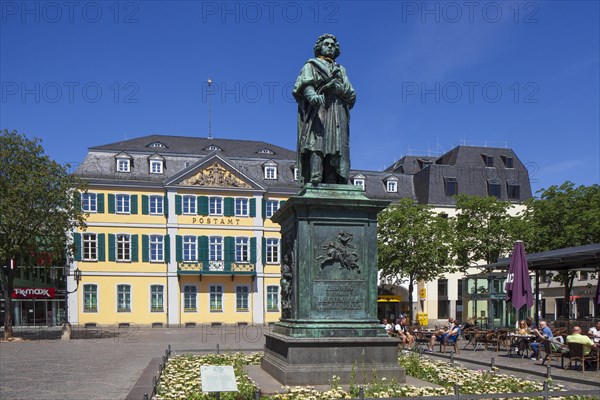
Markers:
(101, 248)
(228, 207)
(77, 246)
(111, 203)
(134, 203)
(264, 208)
(202, 205)
(77, 200)
(253, 250)
(281, 203)
(134, 248)
(253, 207)
(145, 248)
(145, 210)
(203, 248)
(229, 252)
(178, 205)
(112, 243)
(100, 203)
(166, 206)
(167, 242)
(264, 251)
(179, 248)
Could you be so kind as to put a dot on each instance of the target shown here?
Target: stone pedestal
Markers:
(329, 320)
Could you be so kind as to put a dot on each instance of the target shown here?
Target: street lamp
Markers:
(66, 330)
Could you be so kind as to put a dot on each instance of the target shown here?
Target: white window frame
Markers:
(215, 205)
(156, 248)
(126, 300)
(391, 186)
(123, 250)
(123, 203)
(156, 166)
(272, 250)
(158, 294)
(193, 301)
(89, 247)
(215, 292)
(242, 295)
(89, 202)
(296, 173)
(272, 298)
(359, 182)
(215, 248)
(123, 165)
(242, 250)
(270, 172)
(271, 207)
(242, 207)
(189, 247)
(155, 205)
(189, 204)
(84, 294)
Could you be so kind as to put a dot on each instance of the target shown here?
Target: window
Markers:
(508, 161)
(123, 247)
(583, 276)
(513, 191)
(156, 298)
(156, 166)
(189, 248)
(88, 202)
(270, 172)
(90, 247)
(392, 186)
(123, 165)
(296, 173)
(272, 298)
(266, 151)
(123, 298)
(494, 188)
(156, 144)
(488, 160)
(241, 207)
(450, 186)
(272, 250)
(216, 298)
(123, 203)
(241, 298)
(156, 248)
(90, 298)
(189, 298)
(242, 252)
(156, 205)
(212, 147)
(359, 182)
(271, 207)
(442, 288)
(215, 248)
(189, 204)
(215, 206)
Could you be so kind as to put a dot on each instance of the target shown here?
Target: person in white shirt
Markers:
(595, 332)
(388, 327)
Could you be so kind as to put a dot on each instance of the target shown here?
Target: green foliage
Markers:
(483, 229)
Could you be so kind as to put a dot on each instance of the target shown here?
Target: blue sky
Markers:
(428, 75)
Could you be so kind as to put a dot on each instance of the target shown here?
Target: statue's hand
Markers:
(316, 99)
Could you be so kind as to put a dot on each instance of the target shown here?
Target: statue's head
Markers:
(328, 46)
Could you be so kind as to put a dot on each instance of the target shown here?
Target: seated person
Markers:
(595, 332)
(404, 334)
(470, 323)
(577, 337)
(522, 329)
(543, 332)
(388, 327)
(442, 334)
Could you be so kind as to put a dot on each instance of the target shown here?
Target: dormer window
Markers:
(265, 151)
(391, 186)
(270, 170)
(450, 186)
(212, 147)
(488, 160)
(513, 190)
(508, 161)
(494, 188)
(157, 145)
(156, 166)
(123, 165)
(424, 163)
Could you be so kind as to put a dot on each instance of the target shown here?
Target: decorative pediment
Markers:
(215, 175)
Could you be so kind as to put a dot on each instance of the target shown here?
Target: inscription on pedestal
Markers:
(330, 296)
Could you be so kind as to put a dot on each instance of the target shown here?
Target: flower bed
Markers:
(181, 380)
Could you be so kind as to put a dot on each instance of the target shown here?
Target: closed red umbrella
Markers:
(518, 283)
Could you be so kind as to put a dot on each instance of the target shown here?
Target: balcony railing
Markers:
(215, 268)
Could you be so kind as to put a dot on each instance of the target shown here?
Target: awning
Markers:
(389, 299)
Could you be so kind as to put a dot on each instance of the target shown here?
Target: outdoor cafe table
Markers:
(422, 337)
(516, 340)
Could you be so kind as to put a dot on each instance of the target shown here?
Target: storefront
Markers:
(35, 307)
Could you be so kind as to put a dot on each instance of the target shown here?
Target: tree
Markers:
(412, 243)
(38, 209)
(564, 216)
(483, 229)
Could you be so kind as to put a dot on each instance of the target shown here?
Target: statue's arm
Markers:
(305, 86)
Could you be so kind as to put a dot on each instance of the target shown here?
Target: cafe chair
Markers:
(577, 354)
(553, 350)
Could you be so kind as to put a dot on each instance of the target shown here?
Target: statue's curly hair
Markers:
(320, 40)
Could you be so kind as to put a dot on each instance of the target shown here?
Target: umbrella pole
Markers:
(537, 296)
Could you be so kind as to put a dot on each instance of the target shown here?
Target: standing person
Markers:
(543, 332)
(324, 96)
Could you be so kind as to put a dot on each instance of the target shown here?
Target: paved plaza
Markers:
(107, 363)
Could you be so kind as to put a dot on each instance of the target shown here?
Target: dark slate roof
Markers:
(375, 185)
(410, 164)
(187, 145)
